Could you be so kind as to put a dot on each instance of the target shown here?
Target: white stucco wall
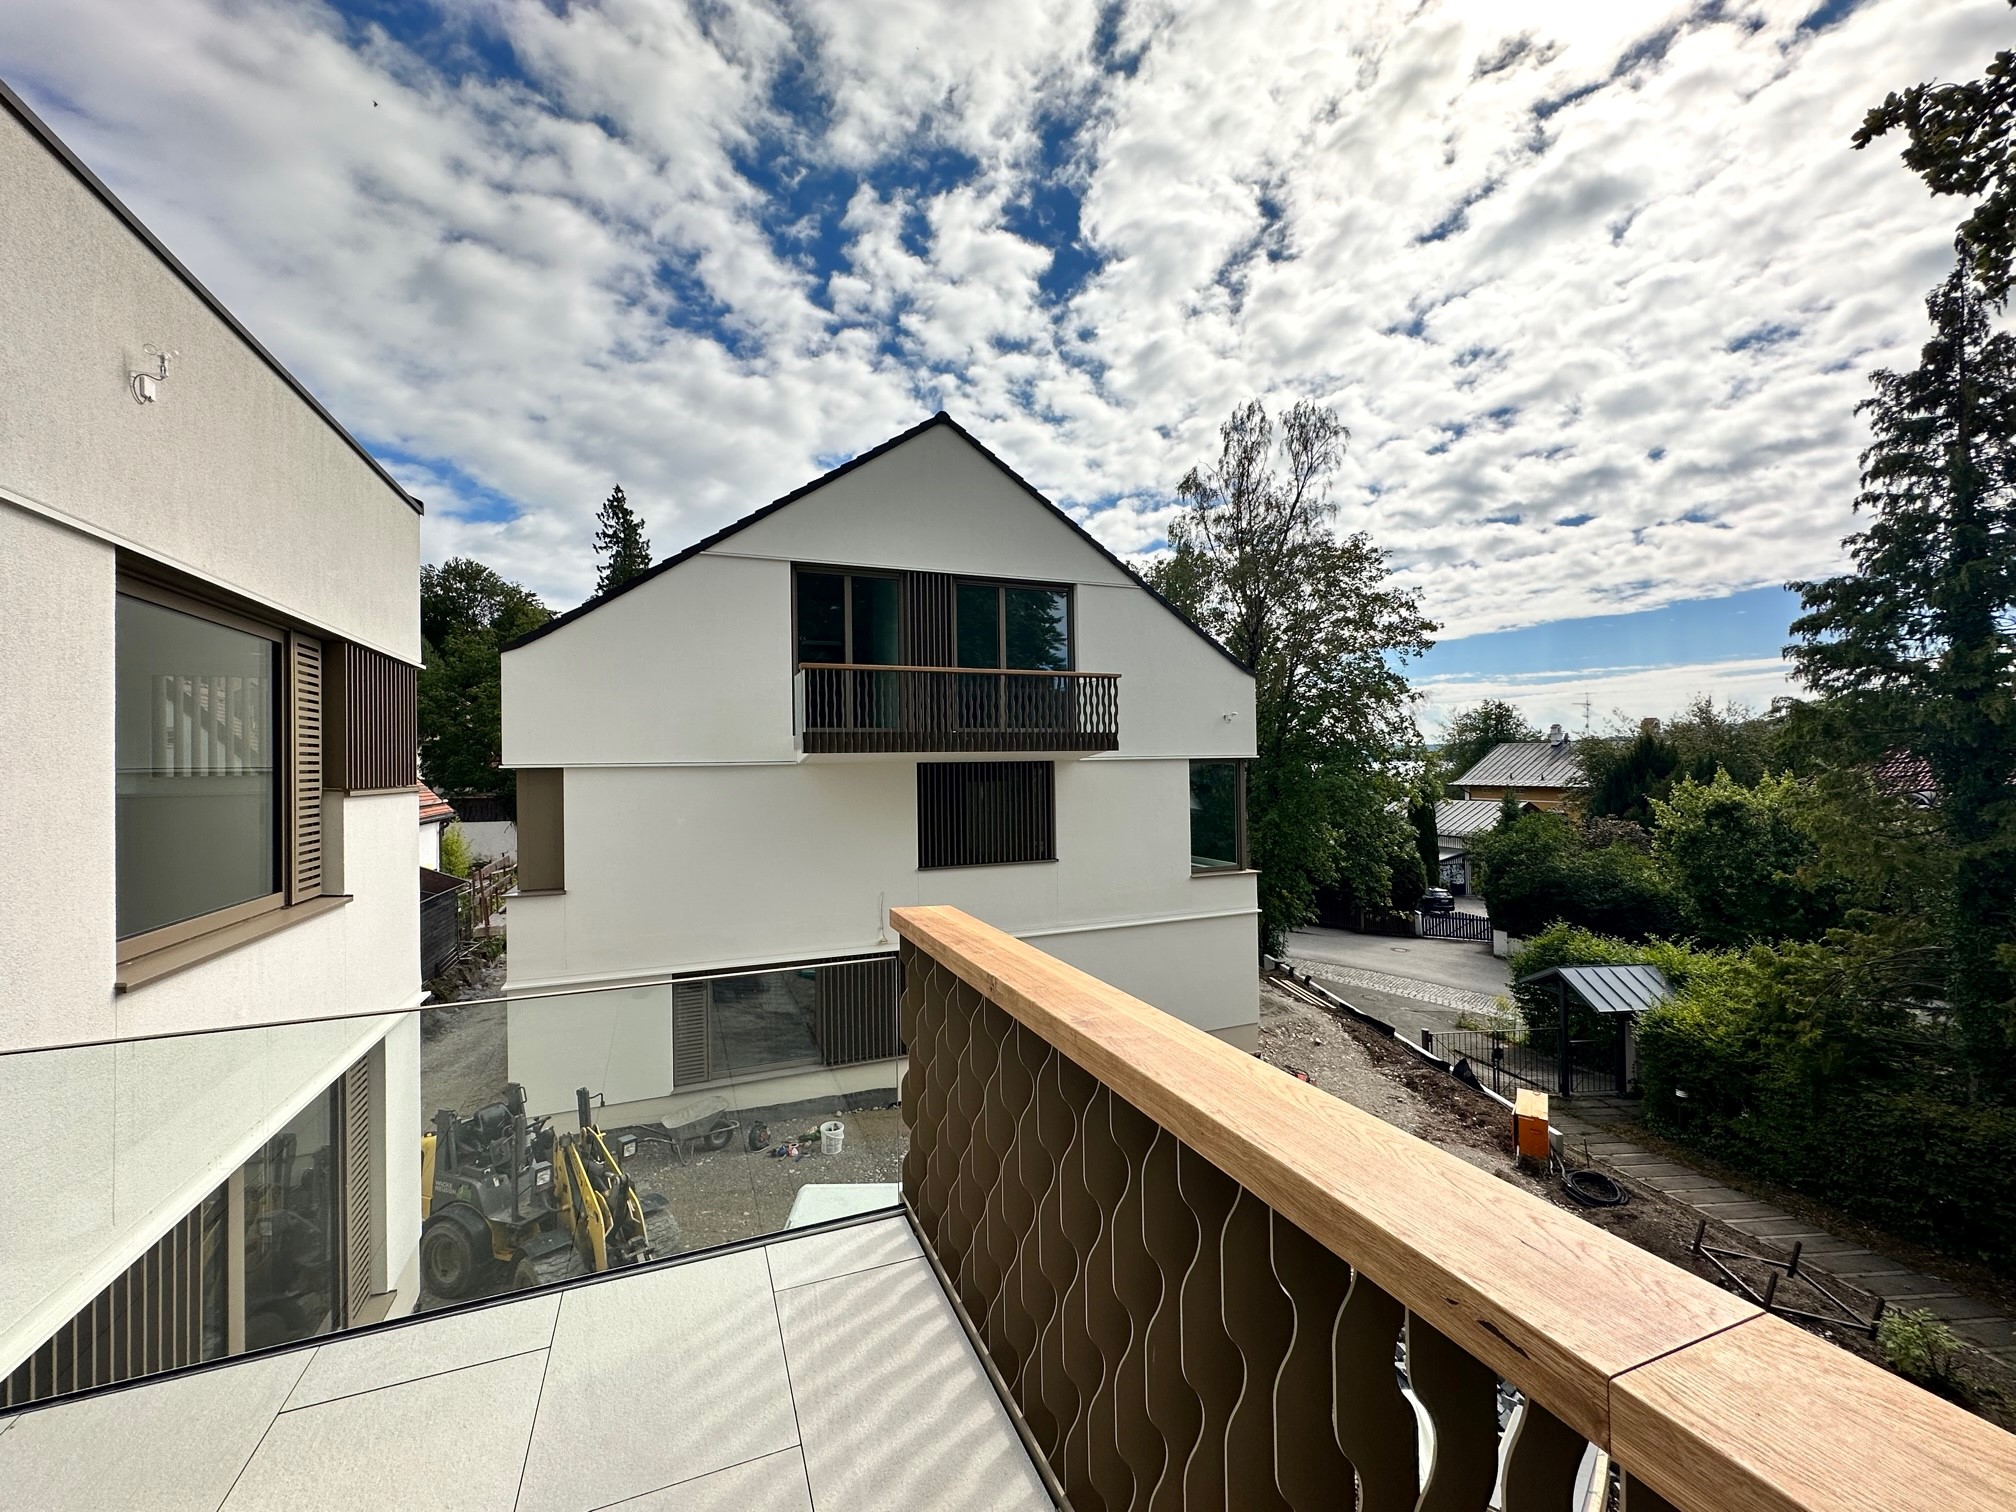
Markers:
(707, 868)
(695, 665)
(229, 475)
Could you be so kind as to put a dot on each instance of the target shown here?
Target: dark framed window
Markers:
(198, 740)
(218, 767)
(1013, 626)
(985, 813)
(1217, 816)
(852, 618)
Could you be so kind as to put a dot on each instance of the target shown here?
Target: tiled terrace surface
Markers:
(824, 1373)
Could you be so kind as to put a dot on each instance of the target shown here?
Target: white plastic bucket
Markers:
(832, 1134)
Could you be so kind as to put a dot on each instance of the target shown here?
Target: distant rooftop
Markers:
(1527, 763)
(1465, 816)
(1611, 989)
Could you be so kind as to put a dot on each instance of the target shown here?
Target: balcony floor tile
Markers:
(775, 1483)
(820, 1257)
(165, 1448)
(686, 1361)
(451, 1342)
(446, 1443)
(895, 1408)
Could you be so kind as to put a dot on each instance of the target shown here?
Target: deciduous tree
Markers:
(1318, 620)
(467, 615)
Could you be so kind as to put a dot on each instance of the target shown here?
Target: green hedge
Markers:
(1890, 1149)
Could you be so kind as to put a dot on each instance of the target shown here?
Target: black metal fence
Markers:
(1594, 1067)
(1452, 926)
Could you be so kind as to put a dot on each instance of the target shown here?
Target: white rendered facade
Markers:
(234, 489)
(701, 837)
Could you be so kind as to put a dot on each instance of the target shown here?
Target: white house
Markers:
(913, 680)
(207, 813)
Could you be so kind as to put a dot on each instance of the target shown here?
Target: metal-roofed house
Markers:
(1457, 822)
(1545, 773)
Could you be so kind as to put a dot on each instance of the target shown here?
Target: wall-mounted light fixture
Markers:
(146, 385)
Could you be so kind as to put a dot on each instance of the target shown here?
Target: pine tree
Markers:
(620, 541)
(1918, 643)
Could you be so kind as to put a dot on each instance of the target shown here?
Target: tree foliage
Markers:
(1540, 869)
(1741, 861)
(1316, 618)
(467, 615)
(1627, 775)
(1961, 139)
(1916, 647)
(1472, 732)
(619, 542)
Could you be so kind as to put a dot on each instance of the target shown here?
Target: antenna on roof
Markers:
(1585, 713)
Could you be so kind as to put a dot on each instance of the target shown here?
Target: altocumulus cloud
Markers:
(1594, 285)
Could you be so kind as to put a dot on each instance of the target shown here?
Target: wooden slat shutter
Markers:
(857, 1011)
(304, 768)
(360, 1234)
(930, 634)
(370, 722)
(691, 1059)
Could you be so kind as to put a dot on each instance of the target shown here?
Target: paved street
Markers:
(1461, 964)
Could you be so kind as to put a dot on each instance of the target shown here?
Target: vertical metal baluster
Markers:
(1460, 1393)
(1376, 1427)
(1541, 1462)
(1639, 1497)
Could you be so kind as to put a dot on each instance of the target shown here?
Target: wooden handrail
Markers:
(1702, 1397)
(963, 671)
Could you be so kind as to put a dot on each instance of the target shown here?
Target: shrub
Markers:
(455, 857)
(1541, 868)
(1771, 1062)
(1739, 860)
(1920, 1347)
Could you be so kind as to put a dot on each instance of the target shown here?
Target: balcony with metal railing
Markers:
(1132, 1268)
(853, 709)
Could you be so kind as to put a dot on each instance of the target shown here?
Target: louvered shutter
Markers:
(304, 768)
(690, 1036)
(359, 1232)
(857, 1011)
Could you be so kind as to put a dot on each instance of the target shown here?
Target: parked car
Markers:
(1437, 900)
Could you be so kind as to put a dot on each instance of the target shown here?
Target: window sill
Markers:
(169, 959)
(1223, 871)
(536, 892)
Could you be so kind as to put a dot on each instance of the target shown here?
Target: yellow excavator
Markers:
(504, 1199)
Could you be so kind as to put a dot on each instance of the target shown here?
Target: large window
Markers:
(849, 617)
(985, 813)
(1217, 816)
(853, 619)
(1027, 629)
(198, 743)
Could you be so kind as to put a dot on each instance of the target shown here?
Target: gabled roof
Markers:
(1459, 818)
(433, 806)
(1611, 989)
(1527, 763)
(941, 418)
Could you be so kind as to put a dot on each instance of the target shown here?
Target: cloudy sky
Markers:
(1595, 286)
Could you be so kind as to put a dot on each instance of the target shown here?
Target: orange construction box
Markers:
(1529, 1125)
